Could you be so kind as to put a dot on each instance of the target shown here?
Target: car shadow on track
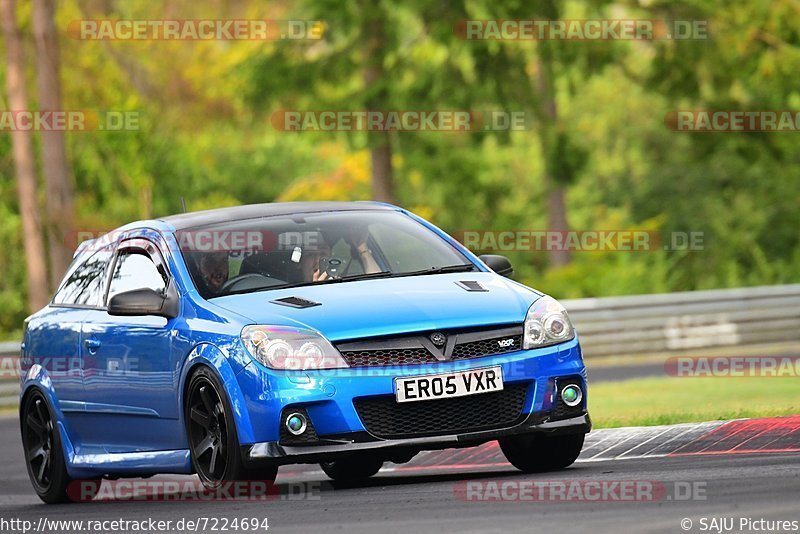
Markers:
(401, 477)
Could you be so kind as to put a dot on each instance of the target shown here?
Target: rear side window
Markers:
(135, 270)
(85, 284)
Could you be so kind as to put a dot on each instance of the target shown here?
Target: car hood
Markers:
(365, 308)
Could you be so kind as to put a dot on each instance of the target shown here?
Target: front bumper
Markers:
(327, 397)
(272, 452)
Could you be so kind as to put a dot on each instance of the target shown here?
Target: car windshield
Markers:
(306, 249)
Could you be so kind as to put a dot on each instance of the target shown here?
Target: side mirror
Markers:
(146, 301)
(498, 264)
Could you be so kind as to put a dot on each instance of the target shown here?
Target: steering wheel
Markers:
(249, 281)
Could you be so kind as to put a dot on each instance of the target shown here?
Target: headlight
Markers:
(546, 324)
(290, 348)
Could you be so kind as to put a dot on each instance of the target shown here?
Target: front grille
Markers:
(486, 347)
(369, 358)
(418, 349)
(384, 417)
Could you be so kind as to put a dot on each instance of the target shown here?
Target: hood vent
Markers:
(471, 285)
(296, 302)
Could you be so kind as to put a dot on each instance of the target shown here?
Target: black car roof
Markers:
(194, 219)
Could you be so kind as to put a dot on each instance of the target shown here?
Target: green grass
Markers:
(665, 401)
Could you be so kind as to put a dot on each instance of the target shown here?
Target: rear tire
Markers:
(213, 442)
(533, 453)
(353, 468)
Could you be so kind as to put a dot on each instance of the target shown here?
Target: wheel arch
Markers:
(38, 380)
(212, 357)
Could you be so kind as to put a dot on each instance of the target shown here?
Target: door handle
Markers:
(92, 345)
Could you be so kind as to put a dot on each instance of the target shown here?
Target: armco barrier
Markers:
(689, 321)
(9, 381)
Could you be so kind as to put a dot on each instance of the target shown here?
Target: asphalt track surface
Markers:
(706, 481)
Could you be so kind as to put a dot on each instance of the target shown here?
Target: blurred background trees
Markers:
(596, 154)
(24, 164)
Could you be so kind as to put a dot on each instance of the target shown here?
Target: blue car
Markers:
(229, 342)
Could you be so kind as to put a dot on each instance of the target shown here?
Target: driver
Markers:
(214, 270)
(309, 262)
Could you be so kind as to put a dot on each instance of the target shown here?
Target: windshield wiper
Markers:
(466, 267)
(361, 276)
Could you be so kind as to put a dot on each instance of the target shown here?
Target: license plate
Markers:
(448, 385)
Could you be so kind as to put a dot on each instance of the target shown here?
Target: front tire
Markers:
(533, 453)
(44, 455)
(352, 469)
(213, 442)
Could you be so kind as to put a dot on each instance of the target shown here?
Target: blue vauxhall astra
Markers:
(232, 341)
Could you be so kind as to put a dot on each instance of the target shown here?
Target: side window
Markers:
(135, 270)
(85, 285)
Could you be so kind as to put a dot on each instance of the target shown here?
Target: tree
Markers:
(374, 84)
(536, 77)
(56, 167)
(741, 189)
(359, 42)
(35, 260)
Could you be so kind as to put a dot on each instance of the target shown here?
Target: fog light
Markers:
(571, 395)
(296, 423)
